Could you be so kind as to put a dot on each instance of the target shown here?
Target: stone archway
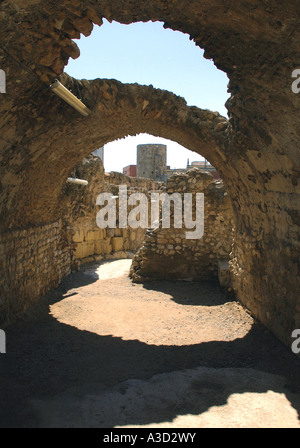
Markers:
(256, 44)
(65, 138)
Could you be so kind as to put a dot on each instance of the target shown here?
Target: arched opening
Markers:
(123, 152)
(148, 54)
(119, 110)
(256, 152)
(149, 175)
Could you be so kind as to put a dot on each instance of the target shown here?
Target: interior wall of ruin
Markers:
(90, 242)
(167, 253)
(32, 261)
(36, 259)
(256, 151)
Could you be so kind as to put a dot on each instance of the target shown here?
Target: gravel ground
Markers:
(100, 351)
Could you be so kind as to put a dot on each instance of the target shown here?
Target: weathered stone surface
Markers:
(168, 254)
(224, 274)
(257, 152)
(80, 211)
(32, 261)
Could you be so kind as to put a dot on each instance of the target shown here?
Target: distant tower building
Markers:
(99, 153)
(152, 161)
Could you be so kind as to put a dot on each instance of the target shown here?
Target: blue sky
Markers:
(146, 53)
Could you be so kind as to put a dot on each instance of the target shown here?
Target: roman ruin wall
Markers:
(256, 151)
(168, 254)
(91, 242)
(32, 261)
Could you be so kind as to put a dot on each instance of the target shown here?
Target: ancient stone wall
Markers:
(168, 254)
(256, 151)
(32, 261)
(35, 259)
(91, 242)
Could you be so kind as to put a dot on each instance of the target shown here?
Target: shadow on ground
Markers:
(191, 293)
(45, 358)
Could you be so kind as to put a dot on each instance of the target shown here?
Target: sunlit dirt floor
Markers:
(102, 352)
